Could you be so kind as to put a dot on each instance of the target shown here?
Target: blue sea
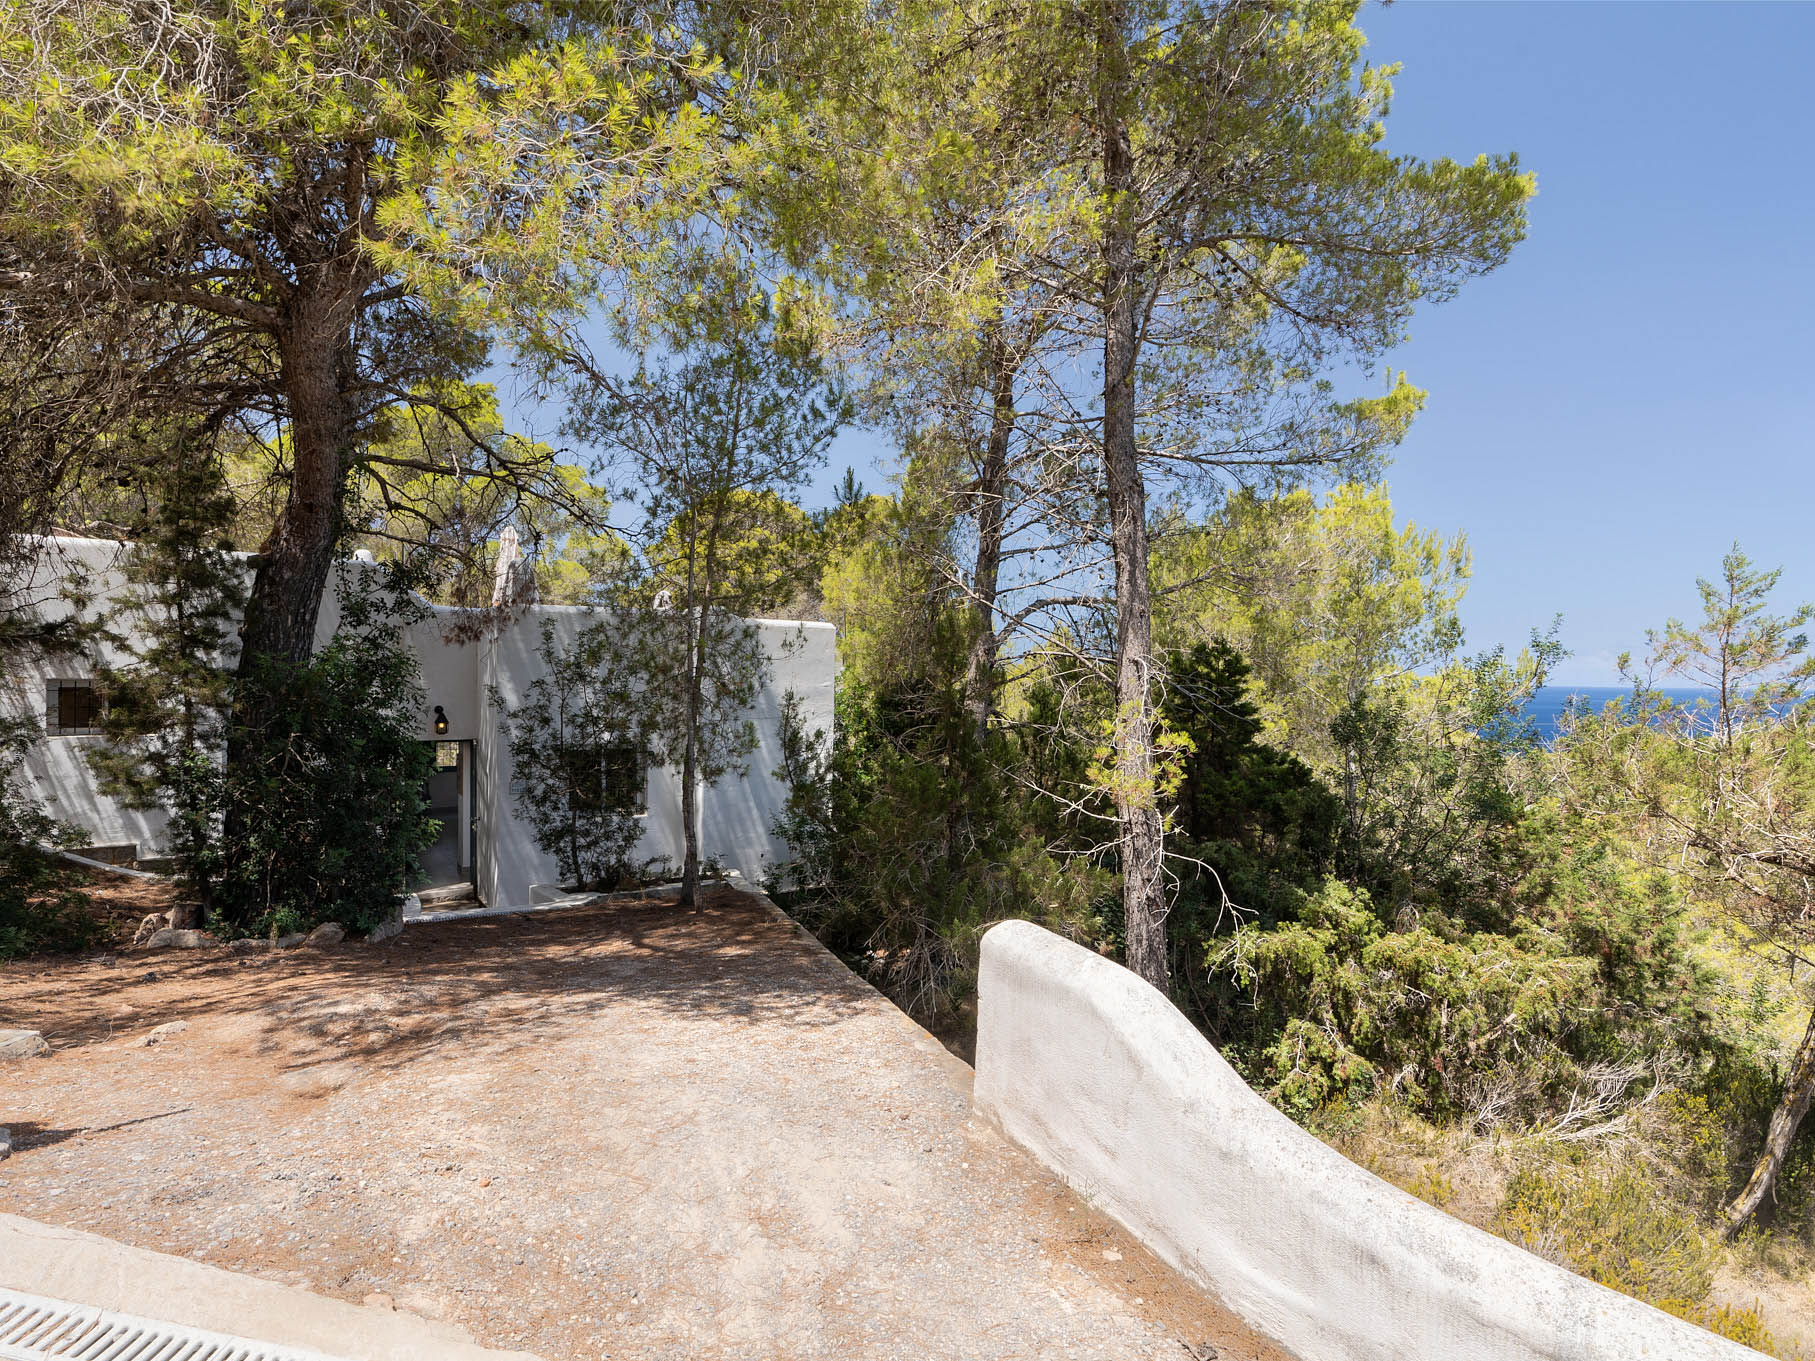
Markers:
(1548, 704)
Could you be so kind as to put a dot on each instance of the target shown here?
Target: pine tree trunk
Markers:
(992, 515)
(294, 565)
(1799, 1087)
(690, 860)
(1137, 808)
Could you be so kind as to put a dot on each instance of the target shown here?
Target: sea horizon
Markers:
(1548, 703)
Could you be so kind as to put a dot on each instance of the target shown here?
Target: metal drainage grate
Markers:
(33, 1328)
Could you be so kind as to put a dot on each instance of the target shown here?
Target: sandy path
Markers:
(612, 1132)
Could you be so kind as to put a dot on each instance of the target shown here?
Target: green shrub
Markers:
(1615, 1225)
(323, 797)
(1738, 1325)
(911, 841)
(1578, 990)
(1336, 1003)
(1614, 1220)
(1713, 1131)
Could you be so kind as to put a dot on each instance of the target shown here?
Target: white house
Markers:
(483, 841)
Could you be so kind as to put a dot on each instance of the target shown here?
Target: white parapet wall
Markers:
(1101, 1078)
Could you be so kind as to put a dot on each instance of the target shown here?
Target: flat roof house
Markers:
(483, 840)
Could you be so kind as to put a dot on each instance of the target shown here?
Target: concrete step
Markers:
(448, 895)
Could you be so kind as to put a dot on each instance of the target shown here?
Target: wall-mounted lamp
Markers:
(440, 721)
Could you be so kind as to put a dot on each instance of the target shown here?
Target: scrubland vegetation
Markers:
(1553, 987)
(1132, 644)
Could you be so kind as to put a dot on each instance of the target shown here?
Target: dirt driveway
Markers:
(625, 1131)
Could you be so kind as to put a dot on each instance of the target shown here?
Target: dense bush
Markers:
(912, 838)
(1582, 1004)
(1235, 790)
(1613, 1225)
(324, 816)
(1619, 1217)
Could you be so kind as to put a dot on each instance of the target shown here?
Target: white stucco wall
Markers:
(738, 813)
(457, 673)
(735, 814)
(56, 770)
(511, 861)
(1098, 1075)
(448, 659)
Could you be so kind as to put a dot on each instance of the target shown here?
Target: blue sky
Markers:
(1634, 390)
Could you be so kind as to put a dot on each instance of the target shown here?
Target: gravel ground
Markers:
(622, 1131)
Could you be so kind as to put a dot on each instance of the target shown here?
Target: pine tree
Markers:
(167, 704)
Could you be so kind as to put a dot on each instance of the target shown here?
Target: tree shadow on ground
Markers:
(30, 1134)
(476, 987)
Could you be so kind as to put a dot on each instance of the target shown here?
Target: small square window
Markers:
(626, 781)
(447, 755)
(614, 777)
(72, 708)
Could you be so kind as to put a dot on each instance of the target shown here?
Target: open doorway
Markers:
(447, 865)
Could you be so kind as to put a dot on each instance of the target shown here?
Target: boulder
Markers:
(385, 930)
(22, 1044)
(294, 938)
(154, 922)
(246, 945)
(170, 938)
(6, 1144)
(328, 933)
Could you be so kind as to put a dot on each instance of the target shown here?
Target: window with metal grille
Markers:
(626, 779)
(614, 777)
(72, 708)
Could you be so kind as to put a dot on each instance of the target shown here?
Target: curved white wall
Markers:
(1106, 1082)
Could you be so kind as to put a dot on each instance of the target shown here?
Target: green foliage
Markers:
(912, 838)
(1235, 788)
(565, 738)
(1325, 597)
(1723, 800)
(1430, 778)
(1573, 1005)
(706, 439)
(167, 707)
(1733, 1322)
(39, 907)
(1754, 661)
(1713, 1127)
(440, 481)
(1342, 1003)
(329, 799)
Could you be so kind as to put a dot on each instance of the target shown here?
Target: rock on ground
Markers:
(328, 933)
(158, 1034)
(22, 1044)
(171, 938)
(154, 922)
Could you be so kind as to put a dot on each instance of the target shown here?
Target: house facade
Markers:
(484, 842)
